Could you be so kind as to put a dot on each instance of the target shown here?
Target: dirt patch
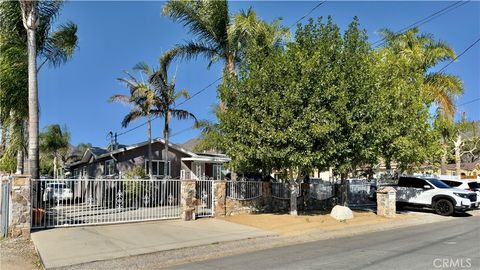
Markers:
(18, 254)
(294, 225)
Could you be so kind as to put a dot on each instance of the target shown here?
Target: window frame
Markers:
(156, 162)
(106, 170)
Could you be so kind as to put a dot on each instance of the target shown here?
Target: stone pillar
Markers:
(386, 199)
(188, 192)
(21, 207)
(219, 198)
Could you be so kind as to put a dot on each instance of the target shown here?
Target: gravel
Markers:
(18, 254)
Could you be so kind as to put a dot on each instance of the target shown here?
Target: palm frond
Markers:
(123, 99)
(143, 67)
(202, 18)
(193, 49)
(444, 88)
(132, 116)
(60, 45)
(182, 93)
(183, 114)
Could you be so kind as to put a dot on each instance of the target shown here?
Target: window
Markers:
(109, 167)
(452, 183)
(75, 173)
(83, 173)
(411, 182)
(438, 183)
(418, 183)
(158, 167)
(217, 172)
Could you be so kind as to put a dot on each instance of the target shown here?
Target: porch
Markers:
(209, 167)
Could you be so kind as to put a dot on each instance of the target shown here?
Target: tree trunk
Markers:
(149, 124)
(165, 135)
(344, 189)
(458, 161)
(31, 25)
(20, 163)
(443, 162)
(55, 166)
(231, 64)
(293, 194)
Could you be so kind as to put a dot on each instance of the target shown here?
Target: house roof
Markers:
(99, 153)
(470, 166)
(192, 143)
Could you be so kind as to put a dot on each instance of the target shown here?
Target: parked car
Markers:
(466, 184)
(435, 194)
(57, 192)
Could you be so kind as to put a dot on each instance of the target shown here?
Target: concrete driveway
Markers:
(61, 247)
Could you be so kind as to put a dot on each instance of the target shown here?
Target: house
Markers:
(182, 163)
(467, 169)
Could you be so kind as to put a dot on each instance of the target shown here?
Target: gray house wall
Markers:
(126, 160)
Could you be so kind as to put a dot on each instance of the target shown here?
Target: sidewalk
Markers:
(70, 246)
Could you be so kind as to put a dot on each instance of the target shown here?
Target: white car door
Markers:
(425, 195)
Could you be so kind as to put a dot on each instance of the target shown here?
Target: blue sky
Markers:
(114, 36)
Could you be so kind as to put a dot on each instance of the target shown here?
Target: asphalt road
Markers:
(443, 245)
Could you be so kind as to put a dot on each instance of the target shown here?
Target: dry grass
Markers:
(285, 224)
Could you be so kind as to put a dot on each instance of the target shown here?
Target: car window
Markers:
(408, 182)
(452, 183)
(438, 183)
(474, 185)
(418, 183)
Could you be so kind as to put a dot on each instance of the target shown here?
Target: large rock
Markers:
(341, 213)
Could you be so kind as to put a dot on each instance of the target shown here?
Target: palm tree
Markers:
(54, 141)
(441, 88)
(30, 22)
(166, 99)
(217, 36)
(143, 98)
(427, 53)
(27, 30)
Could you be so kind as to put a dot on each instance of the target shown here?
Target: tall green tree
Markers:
(54, 144)
(19, 20)
(424, 53)
(143, 98)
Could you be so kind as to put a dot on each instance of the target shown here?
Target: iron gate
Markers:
(204, 196)
(73, 202)
(361, 193)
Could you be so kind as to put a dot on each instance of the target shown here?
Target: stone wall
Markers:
(21, 207)
(220, 190)
(188, 199)
(257, 205)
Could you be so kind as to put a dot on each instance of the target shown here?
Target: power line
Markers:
(458, 56)
(212, 83)
(176, 106)
(308, 13)
(423, 21)
(468, 102)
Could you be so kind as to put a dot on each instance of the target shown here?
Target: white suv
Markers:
(435, 194)
(465, 184)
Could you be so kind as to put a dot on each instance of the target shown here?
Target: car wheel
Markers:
(444, 207)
